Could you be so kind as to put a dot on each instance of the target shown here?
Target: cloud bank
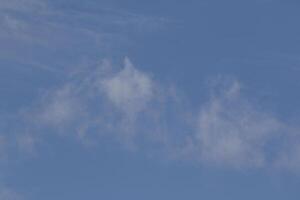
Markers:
(139, 112)
(126, 104)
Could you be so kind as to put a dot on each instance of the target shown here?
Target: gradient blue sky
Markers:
(136, 99)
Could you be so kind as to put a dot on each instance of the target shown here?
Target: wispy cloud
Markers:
(22, 5)
(60, 107)
(7, 194)
(133, 108)
(40, 27)
(106, 100)
(232, 131)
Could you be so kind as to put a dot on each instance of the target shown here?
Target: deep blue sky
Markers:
(136, 99)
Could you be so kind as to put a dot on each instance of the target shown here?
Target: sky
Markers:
(136, 99)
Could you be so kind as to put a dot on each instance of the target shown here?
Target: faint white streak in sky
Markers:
(8, 194)
(39, 27)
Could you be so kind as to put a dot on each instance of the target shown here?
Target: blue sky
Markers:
(111, 99)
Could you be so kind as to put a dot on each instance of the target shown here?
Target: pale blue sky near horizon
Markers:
(136, 99)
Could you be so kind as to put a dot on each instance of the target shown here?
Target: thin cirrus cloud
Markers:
(126, 104)
(43, 28)
(21, 4)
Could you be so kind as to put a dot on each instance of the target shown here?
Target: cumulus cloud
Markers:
(232, 131)
(133, 108)
(126, 104)
(102, 99)
(129, 90)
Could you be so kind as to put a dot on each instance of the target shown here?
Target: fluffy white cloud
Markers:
(130, 106)
(129, 90)
(101, 99)
(233, 132)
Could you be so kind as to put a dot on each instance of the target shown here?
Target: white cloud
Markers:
(233, 132)
(131, 96)
(100, 99)
(129, 90)
(60, 108)
(130, 106)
